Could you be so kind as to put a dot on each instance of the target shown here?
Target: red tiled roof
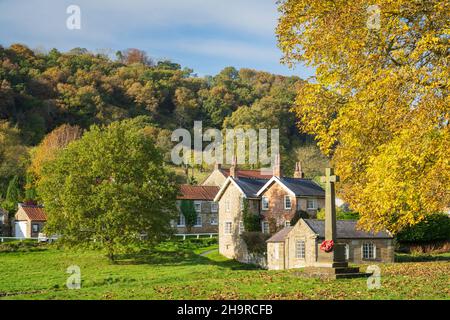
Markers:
(189, 192)
(36, 213)
(251, 174)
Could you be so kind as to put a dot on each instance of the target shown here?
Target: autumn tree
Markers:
(13, 155)
(109, 186)
(379, 103)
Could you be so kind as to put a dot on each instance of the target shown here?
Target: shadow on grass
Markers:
(421, 258)
(182, 258)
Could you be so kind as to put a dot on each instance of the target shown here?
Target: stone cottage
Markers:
(275, 200)
(207, 210)
(299, 246)
(29, 220)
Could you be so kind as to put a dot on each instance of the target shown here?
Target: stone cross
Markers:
(330, 205)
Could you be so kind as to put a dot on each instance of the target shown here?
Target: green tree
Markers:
(109, 186)
(190, 215)
(12, 195)
(252, 222)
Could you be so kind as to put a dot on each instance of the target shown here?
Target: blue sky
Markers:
(206, 35)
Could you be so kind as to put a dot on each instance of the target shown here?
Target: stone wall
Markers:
(384, 250)
(231, 245)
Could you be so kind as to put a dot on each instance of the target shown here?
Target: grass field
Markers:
(174, 273)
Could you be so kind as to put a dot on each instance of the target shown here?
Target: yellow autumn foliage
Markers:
(379, 105)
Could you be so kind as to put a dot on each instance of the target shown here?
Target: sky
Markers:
(205, 35)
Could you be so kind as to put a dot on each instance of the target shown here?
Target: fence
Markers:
(196, 235)
(2, 239)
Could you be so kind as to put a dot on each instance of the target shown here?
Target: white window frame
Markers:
(214, 222)
(264, 200)
(214, 206)
(241, 227)
(374, 251)
(181, 218)
(225, 229)
(286, 197)
(265, 227)
(199, 204)
(300, 249)
(197, 219)
(35, 225)
(314, 201)
(287, 223)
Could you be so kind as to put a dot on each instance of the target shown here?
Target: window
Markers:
(181, 221)
(241, 227)
(287, 203)
(300, 249)
(347, 252)
(265, 203)
(311, 204)
(276, 251)
(214, 206)
(227, 205)
(35, 227)
(213, 220)
(198, 220)
(299, 204)
(242, 203)
(368, 250)
(287, 223)
(265, 227)
(198, 206)
(227, 227)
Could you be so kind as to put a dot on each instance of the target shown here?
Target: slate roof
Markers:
(346, 229)
(34, 212)
(303, 187)
(189, 192)
(250, 186)
(281, 235)
(249, 174)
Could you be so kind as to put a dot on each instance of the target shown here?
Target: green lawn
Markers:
(184, 274)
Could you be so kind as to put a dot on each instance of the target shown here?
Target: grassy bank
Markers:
(172, 272)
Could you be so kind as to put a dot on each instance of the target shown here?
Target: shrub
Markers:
(255, 241)
(435, 228)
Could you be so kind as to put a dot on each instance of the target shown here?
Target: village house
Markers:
(207, 210)
(29, 220)
(276, 201)
(299, 246)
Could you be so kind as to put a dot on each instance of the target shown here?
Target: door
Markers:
(20, 229)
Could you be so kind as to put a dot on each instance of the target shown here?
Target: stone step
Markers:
(352, 275)
(346, 270)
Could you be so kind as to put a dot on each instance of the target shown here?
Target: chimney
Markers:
(233, 168)
(298, 173)
(217, 166)
(277, 166)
